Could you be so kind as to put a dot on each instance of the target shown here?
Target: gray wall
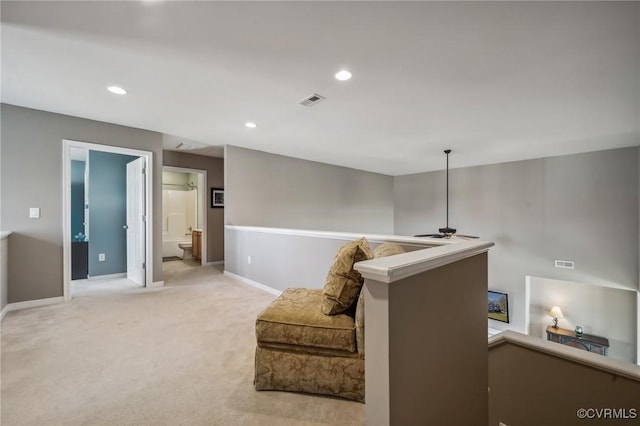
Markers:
(280, 261)
(107, 212)
(530, 387)
(437, 346)
(272, 190)
(215, 179)
(580, 207)
(32, 149)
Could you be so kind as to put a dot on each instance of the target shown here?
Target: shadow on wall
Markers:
(22, 275)
(530, 387)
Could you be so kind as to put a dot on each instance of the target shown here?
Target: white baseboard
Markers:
(30, 304)
(156, 284)
(215, 262)
(252, 283)
(108, 277)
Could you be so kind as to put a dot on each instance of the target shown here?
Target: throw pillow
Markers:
(387, 249)
(343, 283)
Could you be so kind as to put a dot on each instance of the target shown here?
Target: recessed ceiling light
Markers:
(250, 124)
(117, 90)
(343, 75)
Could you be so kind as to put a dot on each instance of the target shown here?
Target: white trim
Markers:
(492, 331)
(4, 312)
(252, 283)
(155, 284)
(348, 236)
(578, 356)
(33, 304)
(4, 234)
(67, 144)
(215, 262)
(107, 277)
(202, 202)
(527, 303)
(394, 268)
(638, 327)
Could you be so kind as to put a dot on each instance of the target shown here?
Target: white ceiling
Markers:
(495, 82)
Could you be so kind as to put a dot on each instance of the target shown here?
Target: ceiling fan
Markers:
(446, 232)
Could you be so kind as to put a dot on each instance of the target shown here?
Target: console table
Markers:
(586, 342)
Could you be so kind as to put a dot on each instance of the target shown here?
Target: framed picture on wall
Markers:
(217, 197)
(498, 306)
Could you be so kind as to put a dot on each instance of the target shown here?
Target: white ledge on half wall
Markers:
(4, 234)
(394, 268)
(347, 236)
(589, 359)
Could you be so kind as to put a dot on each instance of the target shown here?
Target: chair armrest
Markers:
(360, 324)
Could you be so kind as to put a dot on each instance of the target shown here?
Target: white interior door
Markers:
(136, 221)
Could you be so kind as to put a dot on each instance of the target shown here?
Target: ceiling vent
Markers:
(312, 100)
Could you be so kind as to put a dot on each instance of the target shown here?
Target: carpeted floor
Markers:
(121, 355)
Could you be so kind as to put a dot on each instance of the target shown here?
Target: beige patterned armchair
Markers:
(301, 349)
(312, 340)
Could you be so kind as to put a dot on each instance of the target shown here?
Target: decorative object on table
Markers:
(217, 197)
(446, 232)
(556, 314)
(579, 331)
(498, 306)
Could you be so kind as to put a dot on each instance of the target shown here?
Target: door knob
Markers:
(125, 227)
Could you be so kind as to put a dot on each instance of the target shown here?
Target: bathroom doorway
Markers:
(184, 198)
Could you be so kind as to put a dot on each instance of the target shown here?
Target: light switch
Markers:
(34, 213)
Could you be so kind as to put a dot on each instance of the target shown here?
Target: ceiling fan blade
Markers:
(468, 237)
(430, 235)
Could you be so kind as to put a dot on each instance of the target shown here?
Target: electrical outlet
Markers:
(248, 260)
(101, 257)
(34, 212)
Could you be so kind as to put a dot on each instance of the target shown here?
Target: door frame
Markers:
(67, 144)
(202, 203)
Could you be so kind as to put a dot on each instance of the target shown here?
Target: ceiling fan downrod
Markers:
(447, 231)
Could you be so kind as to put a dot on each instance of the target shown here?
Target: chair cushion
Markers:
(343, 283)
(295, 318)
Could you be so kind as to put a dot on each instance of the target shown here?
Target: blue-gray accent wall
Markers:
(107, 212)
(77, 198)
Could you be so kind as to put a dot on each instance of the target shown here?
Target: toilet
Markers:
(187, 249)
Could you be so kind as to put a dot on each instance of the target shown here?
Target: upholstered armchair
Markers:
(312, 340)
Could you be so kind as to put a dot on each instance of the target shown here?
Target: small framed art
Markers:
(217, 197)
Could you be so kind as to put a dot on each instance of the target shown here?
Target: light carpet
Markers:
(121, 355)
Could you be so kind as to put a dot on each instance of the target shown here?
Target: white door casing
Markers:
(136, 218)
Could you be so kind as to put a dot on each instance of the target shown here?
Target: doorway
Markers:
(130, 242)
(184, 220)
